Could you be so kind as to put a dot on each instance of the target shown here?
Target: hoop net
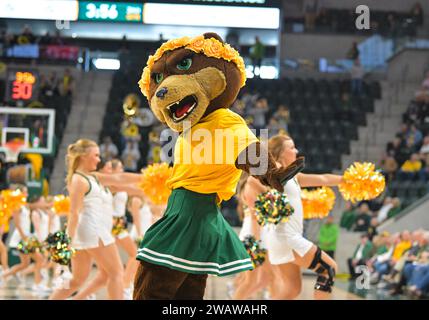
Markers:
(12, 150)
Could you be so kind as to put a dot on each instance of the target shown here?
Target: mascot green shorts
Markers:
(193, 237)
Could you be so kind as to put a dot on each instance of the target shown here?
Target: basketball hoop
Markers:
(12, 150)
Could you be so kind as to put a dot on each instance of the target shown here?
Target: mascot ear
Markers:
(209, 35)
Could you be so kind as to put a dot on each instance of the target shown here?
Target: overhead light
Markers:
(106, 64)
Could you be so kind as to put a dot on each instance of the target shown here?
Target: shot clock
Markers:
(22, 84)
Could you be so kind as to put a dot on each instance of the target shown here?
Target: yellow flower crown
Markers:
(209, 47)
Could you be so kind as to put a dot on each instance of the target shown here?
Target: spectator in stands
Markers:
(108, 150)
(259, 114)
(380, 263)
(328, 236)
(397, 207)
(46, 39)
(393, 31)
(353, 52)
(257, 54)
(129, 131)
(310, 14)
(403, 244)
(372, 229)
(384, 210)
(424, 150)
(415, 135)
(26, 36)
(274, 127)
(417, 14)
(412, 259)
(422, 95)
(357, 73)
(361, 255)
(283, 116)
(130, 156)
(52, 85)
(67, 83)
(348, 217)
(389, 167)
(412, 169)
(58, 40)
(125, 47)
(363, 218)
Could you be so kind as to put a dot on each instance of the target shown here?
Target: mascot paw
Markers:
(280, 176)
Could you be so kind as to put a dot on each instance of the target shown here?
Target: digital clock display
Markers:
(22, 85)
(110, 11)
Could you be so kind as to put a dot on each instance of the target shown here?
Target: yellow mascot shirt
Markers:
(205, 155)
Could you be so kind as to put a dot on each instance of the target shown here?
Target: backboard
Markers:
(34, 128)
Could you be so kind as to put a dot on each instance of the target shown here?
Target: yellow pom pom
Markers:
(154, 182)
(317, 203)
(61, 204)
(13, 200)
(362, 182)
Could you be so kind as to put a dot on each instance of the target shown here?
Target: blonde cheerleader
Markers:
(101, 277)
(288, 250)
(89, 235)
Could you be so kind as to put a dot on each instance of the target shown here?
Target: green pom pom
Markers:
(273, 207)
(253, 247)
(59, 246)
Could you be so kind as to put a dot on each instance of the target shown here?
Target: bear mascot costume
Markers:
(190, 84)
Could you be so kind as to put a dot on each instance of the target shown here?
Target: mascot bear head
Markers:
(189, 78)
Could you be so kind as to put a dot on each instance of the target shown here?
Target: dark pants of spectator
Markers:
(356, 86)
(330, 253)
(420, 175)
(382, 268)
(352, 270)
(257, 62)
(420, 277)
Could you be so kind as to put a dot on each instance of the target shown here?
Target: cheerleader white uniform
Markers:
(25, 223)
(246, 229)
(119, 208)
(146, 218)
(286, 237)
(43, 225)
(91, 226)
(107, 213)
(55, 224)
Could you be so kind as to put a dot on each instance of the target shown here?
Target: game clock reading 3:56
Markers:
(110, 11)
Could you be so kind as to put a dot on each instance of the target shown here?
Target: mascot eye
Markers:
(185, 64)
(158, 77)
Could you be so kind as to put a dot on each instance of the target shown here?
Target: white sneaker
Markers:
(91, 297)
(40, 288)
(45, 276)
(20, 278)
(266, 295)
(128, 293)
(230, 289)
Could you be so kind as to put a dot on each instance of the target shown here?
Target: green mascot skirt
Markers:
(193, 237)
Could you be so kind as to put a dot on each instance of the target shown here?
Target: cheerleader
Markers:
(89, 235)
(288, 250)
(100, 280)
(22, 232)
(252, 281)
(123, 238)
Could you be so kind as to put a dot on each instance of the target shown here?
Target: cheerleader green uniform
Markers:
(193, 236)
